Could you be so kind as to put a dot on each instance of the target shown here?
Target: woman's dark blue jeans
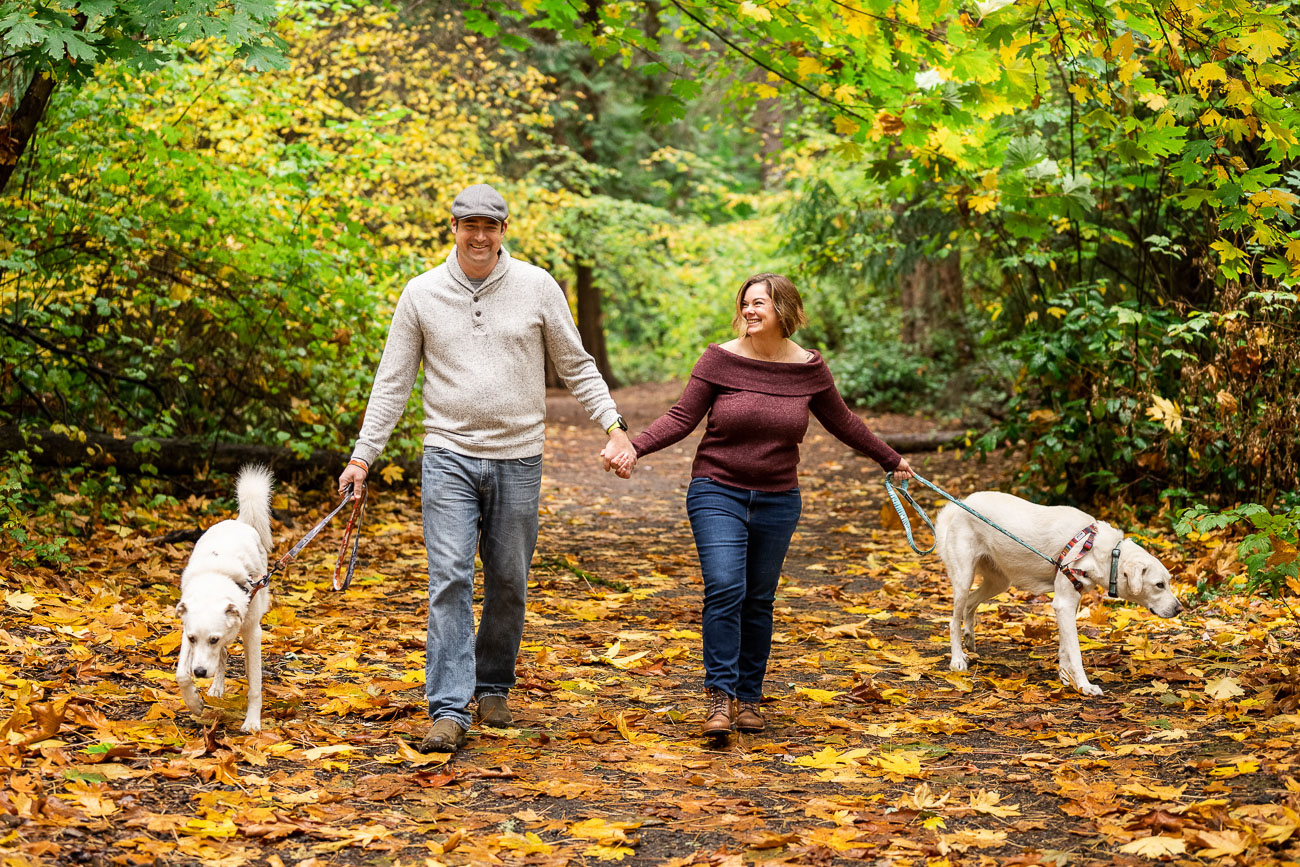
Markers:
(741, 537)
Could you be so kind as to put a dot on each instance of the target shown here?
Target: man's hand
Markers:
(618, 454)
(352, 475)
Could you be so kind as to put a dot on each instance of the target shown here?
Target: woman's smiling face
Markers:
(759, 313)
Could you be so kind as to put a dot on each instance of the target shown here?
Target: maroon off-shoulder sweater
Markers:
(758, 415)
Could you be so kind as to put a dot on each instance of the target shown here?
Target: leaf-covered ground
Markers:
(875, 753)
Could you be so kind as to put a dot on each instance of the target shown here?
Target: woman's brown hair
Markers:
(785, 299)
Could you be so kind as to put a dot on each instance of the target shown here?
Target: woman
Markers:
(743, 500)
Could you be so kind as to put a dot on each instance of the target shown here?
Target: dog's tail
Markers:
(254, 489)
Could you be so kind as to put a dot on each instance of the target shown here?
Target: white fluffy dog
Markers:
(967, 546)
(215, 604)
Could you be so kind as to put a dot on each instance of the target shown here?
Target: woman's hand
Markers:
(619, 457)
(903, 471)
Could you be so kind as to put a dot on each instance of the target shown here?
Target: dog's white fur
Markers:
(215, 606)
(967, 546)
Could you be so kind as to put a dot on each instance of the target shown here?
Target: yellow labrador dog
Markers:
(216, 605)
(1093, 552)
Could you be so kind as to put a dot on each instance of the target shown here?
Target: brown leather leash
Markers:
(354, 524)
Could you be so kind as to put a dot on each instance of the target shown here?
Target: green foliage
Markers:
(18, 502)
(872, 368)
(1114, 397)
(668, 281)
(68, 40)
(1088, 367)
(154, 276)
(1149, 149)
(1268, 549)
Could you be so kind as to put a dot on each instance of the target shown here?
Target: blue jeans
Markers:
(489, 506)
(742, 537)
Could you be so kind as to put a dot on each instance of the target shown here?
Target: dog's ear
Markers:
(232, 613)
(1132, 569)
(180, 609)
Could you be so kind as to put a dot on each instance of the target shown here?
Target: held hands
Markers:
(903, 471)
(618, 454)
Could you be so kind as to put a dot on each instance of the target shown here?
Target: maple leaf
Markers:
(990, 804)
(829, 757)
(1167, 412)
(633, 737)
(20, 601)
(923, 798)
(976, 838)
(1223, 688)
(1154, 847)
(406, 753)
(1153, 792)
(900, 763)
(525, 844)
(1222, 844)
(611, 657)
(821, 696)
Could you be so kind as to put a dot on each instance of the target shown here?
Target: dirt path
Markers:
(876, 752)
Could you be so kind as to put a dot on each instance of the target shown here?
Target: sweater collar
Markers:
(730, 370)
(458, 274)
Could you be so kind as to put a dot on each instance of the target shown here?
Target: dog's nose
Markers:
(200, 672)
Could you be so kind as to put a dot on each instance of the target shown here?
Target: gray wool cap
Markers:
(480, 200)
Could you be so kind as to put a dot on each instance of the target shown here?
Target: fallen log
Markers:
(932, 441)
(177, 456)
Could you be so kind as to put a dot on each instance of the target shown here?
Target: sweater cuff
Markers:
(608, 418)
(366, 454)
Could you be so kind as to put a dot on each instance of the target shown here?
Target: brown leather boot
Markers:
(446, 736)
(748, 719)
(717, 714)
(493, 710)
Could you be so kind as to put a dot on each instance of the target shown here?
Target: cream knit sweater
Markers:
(484, 354)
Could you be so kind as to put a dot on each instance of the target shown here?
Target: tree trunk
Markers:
(590, 320)
(931, 298)
(17, 133)
(931, 293)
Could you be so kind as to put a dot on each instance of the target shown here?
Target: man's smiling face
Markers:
(478, 241)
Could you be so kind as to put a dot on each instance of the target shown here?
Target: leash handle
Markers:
(354, 523)
(893, 491)
(288, 558)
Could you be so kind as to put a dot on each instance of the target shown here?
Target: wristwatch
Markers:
(620, 424)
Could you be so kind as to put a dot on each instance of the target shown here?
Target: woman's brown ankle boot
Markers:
(717, 713)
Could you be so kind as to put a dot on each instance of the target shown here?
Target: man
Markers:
(482, 323)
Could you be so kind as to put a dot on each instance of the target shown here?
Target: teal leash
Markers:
(894, 490)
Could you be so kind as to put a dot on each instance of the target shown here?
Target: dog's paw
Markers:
(958, 663)
(195, 704)
(251, 725)
(217, 690)
(1091, 689)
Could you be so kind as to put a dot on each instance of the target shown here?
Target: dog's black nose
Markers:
(200, 672)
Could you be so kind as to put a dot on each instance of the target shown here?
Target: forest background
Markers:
(1068, 225)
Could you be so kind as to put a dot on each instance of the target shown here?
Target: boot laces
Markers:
(719, 702)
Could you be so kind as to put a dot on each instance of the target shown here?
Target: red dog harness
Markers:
(1078, 546)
